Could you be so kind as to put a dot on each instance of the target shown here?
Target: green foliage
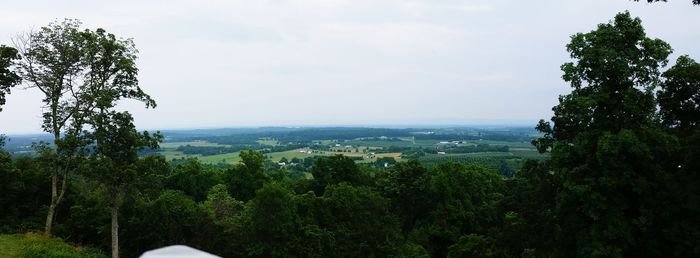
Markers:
(222, 208)
(193, 179)
(172, 218)
(32, 245)
(51, 62)
(344, 210)
(21, 183)
(412, 250)
(615, 69)
(114, 159)
(8, 78)
(474, 245)
(615, 166)
(152, 173)
(463, 199)
(679, 96)
(271, 227)
(244, 179)
(406, 185)
(252, 161)
(385, 161)
(86, 217)
(334, 170)
(83, 74)
(527, 210)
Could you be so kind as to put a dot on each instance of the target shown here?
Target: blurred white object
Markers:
(177, 251)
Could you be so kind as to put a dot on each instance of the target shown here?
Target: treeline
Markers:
(309, 135)
(415, 152)
(510, 136)
(306, 135)
(345, 211)
(474, 148)
(216, 150)
(280, 148)
(213, 150)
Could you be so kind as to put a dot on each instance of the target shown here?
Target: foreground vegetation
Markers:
(621, 179)
(32, 245)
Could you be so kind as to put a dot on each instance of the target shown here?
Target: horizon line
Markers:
(476, 125)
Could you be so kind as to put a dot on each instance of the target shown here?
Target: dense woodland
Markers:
(621, 179)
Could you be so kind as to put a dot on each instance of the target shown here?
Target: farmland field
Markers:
(492, 149)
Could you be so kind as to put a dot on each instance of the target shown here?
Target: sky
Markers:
(242, 63)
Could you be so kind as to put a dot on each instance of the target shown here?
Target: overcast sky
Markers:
(342, 62)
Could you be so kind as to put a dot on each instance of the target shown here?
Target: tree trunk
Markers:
(115, 225)
(52, 205)
(54, 191)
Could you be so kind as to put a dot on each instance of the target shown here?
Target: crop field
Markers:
(513, 159)
(169, 151)
(491, 152)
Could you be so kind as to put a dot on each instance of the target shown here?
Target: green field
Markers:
(519, 151)
(230, 158)
(169, 151)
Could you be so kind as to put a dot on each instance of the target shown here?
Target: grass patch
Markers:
(230, 158)
(32, 245)
(290, 154)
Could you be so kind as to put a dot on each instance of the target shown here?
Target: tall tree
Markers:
(679, 101)
(51, 62)
(79, 73)
(114, 160)
(8, 78)
(110, 74)
(611, 158)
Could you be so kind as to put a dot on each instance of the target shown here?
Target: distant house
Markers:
(441, 153)
(282, 164)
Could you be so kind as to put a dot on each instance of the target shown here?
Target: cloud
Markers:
(271, 62)
(391, 37)
(475, 8)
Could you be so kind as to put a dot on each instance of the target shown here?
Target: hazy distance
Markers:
(342, 62)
